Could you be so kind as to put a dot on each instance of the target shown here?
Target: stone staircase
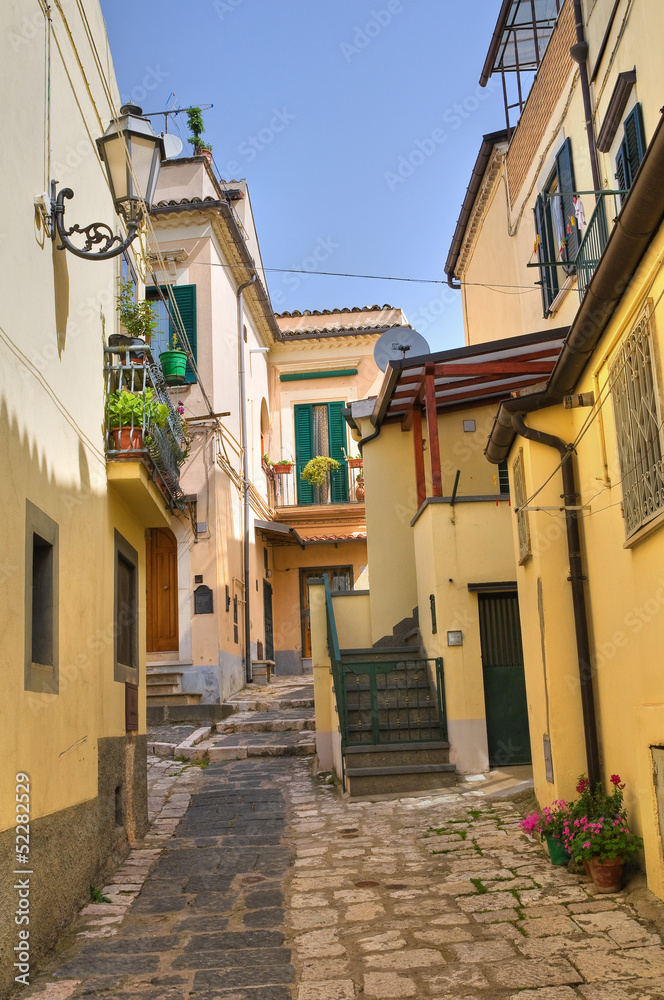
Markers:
(164, 688)
(272, 721)
(410, 755)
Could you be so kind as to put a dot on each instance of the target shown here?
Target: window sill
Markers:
(561, 296)
(649, 528)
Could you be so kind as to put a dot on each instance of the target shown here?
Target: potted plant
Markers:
(551, 824)
(598, 834)
(130, 413)
(283, 467)
(174, 363)
(359, 488)
(137, 317)
(197, 127)
(355, 462)
(317, 469)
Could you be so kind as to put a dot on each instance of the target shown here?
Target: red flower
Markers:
(615, 779)
(584, 785)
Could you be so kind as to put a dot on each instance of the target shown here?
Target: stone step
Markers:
(156, 677)
(237, 746)
(157, 690)
(198, 714)
(397, 754)
(269, 722)
(265, 705)
(178, 698)
(400, 779)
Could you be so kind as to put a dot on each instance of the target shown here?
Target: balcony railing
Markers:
(596, 237)
(153, 432)
(343, 485)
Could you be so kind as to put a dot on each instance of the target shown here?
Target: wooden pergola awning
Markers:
(468, 376)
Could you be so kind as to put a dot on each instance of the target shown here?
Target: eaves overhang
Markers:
(639, 220)
(220, 213)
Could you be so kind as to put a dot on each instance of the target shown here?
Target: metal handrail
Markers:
(594, 240)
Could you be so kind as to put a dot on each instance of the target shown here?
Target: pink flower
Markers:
(615, 779)
(583, 785)
(587, 844)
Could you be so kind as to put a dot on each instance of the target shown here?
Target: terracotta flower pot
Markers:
(282, 468)
(127, 438)
(606, 874)
(355, 463)
(359, 492)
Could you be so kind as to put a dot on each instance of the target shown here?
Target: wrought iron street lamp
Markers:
(132, 155)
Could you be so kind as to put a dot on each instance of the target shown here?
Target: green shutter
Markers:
(566, 183)
(304, 449)
(547, 276)
(338, 477)
(622, 169)
(634, 142)
(185, 297)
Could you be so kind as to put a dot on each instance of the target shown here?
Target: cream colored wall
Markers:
(353, 617)
(286, 562)
(56, 311)
(391, 503)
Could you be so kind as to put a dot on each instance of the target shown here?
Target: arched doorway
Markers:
(162, 591)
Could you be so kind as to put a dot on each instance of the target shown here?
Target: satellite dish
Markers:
(397, 343)
(172, 145)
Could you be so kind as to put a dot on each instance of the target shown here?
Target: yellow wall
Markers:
(55, 315)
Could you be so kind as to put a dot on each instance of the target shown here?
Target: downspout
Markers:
(576, 579)
(370, 437)
(579, 54)
(245, 476)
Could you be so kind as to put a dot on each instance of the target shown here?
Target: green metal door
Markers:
(504, 682)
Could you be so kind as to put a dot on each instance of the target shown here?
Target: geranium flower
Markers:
(583, 785)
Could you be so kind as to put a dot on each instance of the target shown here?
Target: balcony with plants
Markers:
(318, 481)
(143, 424)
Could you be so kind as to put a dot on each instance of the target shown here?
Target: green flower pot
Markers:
(557, 852)
(174, 366)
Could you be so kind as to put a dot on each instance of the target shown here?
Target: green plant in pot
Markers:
(137, 317)
(174, 363)
(197, 127)
(129, 413)
(317, 471)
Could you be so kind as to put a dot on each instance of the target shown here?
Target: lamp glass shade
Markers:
(145, 151)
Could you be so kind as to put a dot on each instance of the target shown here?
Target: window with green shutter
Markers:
(632, 149)
(558, 237)
(176, 314)
(320, 429)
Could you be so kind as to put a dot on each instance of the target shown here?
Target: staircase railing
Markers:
(383, 705)
(335, 656)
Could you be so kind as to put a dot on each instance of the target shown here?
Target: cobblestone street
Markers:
(258, 882)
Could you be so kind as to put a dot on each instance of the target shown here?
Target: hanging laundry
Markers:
(579, 212)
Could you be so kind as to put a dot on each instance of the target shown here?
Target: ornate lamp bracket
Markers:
(97, 235)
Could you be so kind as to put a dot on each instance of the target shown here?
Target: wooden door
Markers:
(162, 591)
(505, 700)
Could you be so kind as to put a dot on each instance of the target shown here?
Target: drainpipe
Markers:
(579, 54)
(576, 579)
(245, 476)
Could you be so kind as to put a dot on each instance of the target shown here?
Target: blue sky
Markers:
(356, 124)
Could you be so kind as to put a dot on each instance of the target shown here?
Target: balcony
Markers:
(343, 486)
(596, 237)
(143, 428)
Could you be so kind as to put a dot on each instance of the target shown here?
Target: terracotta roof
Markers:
(331, 312)
(355, 536)
(337, 331)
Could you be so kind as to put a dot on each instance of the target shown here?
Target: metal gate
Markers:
(267, 615)
(505, 700)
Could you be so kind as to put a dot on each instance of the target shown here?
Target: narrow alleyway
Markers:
(259, 882)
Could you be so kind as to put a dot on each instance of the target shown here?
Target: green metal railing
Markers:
(386, 701)
(595, 239)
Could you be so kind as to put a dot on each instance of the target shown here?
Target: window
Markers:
(638, 427)
(503, 479)
(632, 149)
(41, 601)
(320, 429)
(556, 226)
(125, 620)
(182, 299)
(523, 527)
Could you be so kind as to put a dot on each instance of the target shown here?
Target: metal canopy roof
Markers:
(520, 37)
(470, 376)
(280, 533)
